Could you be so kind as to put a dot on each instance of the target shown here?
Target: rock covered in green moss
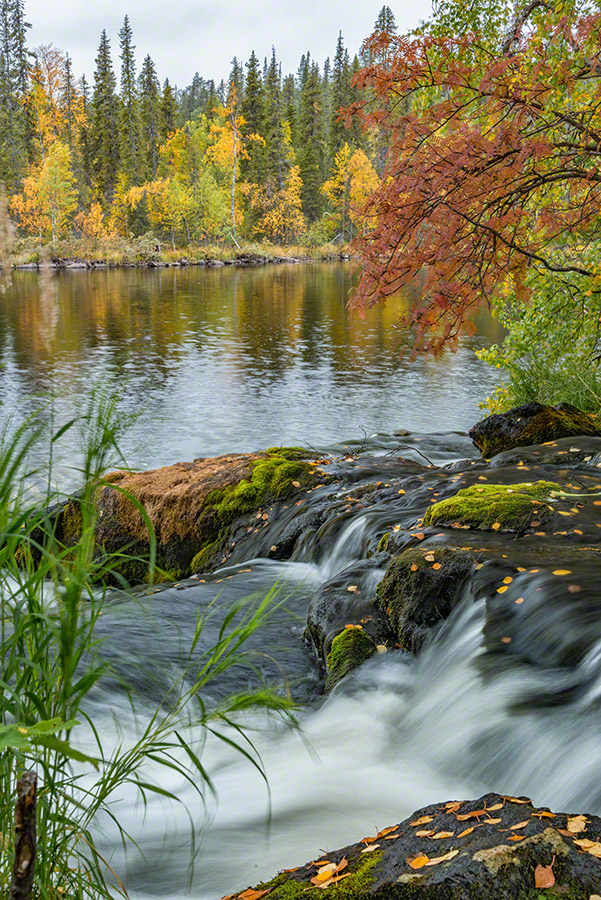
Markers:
(192, 508)
(420, 588)
(530, 424)
(350, 649)
(494, 848)
(495, 507)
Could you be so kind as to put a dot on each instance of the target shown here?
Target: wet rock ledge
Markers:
(494, 848)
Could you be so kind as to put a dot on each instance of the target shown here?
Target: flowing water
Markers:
(224, 360)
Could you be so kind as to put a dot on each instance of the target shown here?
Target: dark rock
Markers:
(486, 849)
(421, 588)
(530, 424)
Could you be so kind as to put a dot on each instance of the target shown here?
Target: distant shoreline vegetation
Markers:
(264, 157)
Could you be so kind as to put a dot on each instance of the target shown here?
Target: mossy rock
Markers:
(463, 863)
(530, 424)
(193, 508)
(349, 650)
(421, 588)
(494, 507)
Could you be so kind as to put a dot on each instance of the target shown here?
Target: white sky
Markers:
(184, 36)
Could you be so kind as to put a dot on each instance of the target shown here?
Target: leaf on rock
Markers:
(517, 799)
(440, 835)
(429, 557)
(352, 589)
(425, 833)
(496, 526)
(423, 821)
(562, 572)
(472, 815)
(414, 568)
(418, 861)
(467, 831)
(576, 824)
(543, 814)
(491, 821)
(495, 807)
(544, 876)
(252, 895)
(370, 848)
(440, 859)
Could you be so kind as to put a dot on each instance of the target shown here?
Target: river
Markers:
(228, 360)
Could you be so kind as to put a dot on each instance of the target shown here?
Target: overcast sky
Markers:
(184, 36)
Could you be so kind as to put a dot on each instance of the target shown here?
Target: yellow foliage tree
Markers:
(49, 197)
(278, 211)
(353, 181)
(168, 204)
(91, 223)
(228, 146)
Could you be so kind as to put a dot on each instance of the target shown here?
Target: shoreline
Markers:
(240, 260)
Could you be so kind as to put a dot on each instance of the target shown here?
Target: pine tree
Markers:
(150, 99)
(168, 110)
(311, 151)
(130, 132)
(104, 126)
(289, 107)
(15, 133)
(83, 137)
(236, 80)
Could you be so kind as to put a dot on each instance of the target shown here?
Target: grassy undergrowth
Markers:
(51, 661)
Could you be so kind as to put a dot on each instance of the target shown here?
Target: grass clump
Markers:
(52, 662)
(494, 507)
(349, 650)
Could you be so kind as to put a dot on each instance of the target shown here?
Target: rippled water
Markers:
(223, 360)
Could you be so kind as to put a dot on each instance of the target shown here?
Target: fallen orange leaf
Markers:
(467, 831)
(423, 821)
(418, 861)
(440, 835)
(252, 895)
(517, 837)
(517, 799)
(543, 876)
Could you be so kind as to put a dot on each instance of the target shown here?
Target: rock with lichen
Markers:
(530, 424)
(494, 848)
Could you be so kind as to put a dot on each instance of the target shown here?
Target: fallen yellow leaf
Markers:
(419, 861)
(423, 821)
(440, 859)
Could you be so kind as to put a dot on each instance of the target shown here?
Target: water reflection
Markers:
(227, 359)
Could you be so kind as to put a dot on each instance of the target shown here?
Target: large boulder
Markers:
(193, 508)
(494, 848)
(420, 589)
(530, 424)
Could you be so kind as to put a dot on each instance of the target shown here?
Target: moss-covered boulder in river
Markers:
(495, 507)
(193, 507)
(532, 423)
(421, 588)
(494, 848)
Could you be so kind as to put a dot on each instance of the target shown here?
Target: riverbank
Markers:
(148, 253)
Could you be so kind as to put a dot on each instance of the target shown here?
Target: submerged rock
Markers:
(495, 507)
(532, 423)
(494, 848)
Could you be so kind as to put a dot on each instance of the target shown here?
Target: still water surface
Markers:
(215, 361)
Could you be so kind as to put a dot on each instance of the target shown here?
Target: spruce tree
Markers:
(150, 99)
(168, 110)
(253, 111)
(340, 97)
(311, 151)
(273, 124)
(132, 159)
(386, 21)
(15, 145)
(83, 137)
(289, 107)
(68, 93)
(104, 125)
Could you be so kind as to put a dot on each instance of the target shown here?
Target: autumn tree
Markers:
(353, 182)
(49, 198)
(491, 177)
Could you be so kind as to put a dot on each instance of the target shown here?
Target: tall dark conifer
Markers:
(150, 99)
(273, 124)
(130, 132)
(340, 97)
(311, 151)
(253, 112)
(168, 110)
(104, 122)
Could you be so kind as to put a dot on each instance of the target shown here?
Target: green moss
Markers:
(383, 544)
(71, 522)
(349, 650)
(291, 453)
(272, 478)
(286, 887)
(531, 424)
(202, 560)
(512, 507)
